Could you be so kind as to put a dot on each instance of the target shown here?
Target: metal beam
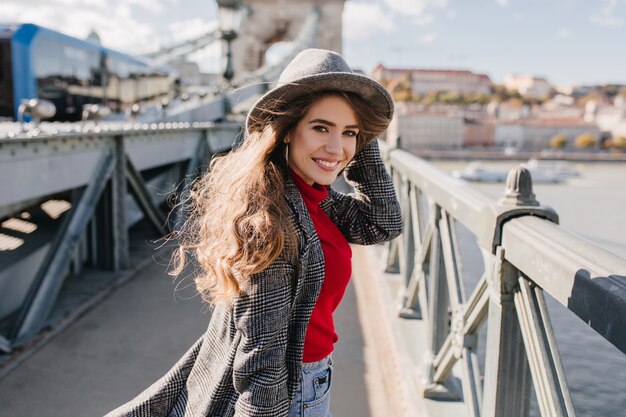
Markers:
(545, 364)
(439, 317)
(476, 308)
(407, 255)
(411, 307)
(452, 260)
(393, 254)
(142, 195)
(121, 256)
(5, 345)
(472, 389)
(47, 284)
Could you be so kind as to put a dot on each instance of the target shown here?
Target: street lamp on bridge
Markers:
(230, 17)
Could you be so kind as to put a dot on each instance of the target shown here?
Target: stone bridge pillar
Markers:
(272, 21)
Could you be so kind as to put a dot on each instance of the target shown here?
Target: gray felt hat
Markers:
(314, 70)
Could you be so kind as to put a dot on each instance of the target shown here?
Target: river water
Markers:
(593, 206)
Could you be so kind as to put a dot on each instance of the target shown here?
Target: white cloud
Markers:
(364, 20)
(152, 6)
(564, 33)
(123, 10)
(9, 12)
(606, 21)
(607, 15)
(114, 21)
(425, 20)
(503, 3)
(427, 38)
(415, 7)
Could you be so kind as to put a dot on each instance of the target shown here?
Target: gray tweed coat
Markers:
(248, 362)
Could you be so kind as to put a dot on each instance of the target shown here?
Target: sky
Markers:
(565, 41)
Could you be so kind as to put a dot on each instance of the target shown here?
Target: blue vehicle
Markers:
(36, 62)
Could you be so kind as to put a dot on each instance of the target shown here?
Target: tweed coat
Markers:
(248, 361)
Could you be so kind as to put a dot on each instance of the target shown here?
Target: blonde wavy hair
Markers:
(237, 210)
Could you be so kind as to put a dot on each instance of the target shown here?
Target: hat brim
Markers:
(369, 90)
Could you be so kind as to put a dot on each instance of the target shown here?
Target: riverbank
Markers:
(500, 154)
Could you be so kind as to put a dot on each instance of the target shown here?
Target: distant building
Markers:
(528, 85)
(425, 81)
(478, 132)
(619, 129)
(420, 127)
(425, 129)
(536, 133)
(605, 116)
(506, 111)
(190, 74)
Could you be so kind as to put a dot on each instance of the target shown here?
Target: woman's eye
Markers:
(321, 128)
(350, 133)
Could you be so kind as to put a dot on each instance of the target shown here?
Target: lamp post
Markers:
(230, 18)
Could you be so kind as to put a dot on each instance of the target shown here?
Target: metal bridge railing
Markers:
(525, 253)
(102, 171)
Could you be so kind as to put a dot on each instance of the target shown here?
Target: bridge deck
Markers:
(131, 338)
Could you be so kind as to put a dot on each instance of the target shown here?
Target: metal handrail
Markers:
(566, 265)
(524, 252)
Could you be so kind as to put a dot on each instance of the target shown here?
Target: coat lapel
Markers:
(311, 257)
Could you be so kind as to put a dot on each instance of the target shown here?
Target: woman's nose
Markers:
(334, 144)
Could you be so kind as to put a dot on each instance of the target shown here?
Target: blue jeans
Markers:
(313, 393)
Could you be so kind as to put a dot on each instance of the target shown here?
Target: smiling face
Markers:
(323, 141)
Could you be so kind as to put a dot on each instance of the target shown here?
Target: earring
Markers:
(287, 152)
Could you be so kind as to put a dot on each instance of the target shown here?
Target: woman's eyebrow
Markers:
(326, 122)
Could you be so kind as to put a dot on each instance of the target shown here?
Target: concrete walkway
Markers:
(133, 337)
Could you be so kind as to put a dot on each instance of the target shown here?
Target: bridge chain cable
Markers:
(184, 48)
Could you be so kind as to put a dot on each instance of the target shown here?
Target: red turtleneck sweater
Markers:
(320, 335)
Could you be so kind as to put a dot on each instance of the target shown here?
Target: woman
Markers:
(272, 239)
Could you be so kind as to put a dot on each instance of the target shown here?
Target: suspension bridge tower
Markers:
(272, 21)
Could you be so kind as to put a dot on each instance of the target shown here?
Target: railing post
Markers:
(112, 241)
(507, 388)
(393, 253)
(407, 249)
(438, 314)
(518, 200)
(119, 191)
(508, 373)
